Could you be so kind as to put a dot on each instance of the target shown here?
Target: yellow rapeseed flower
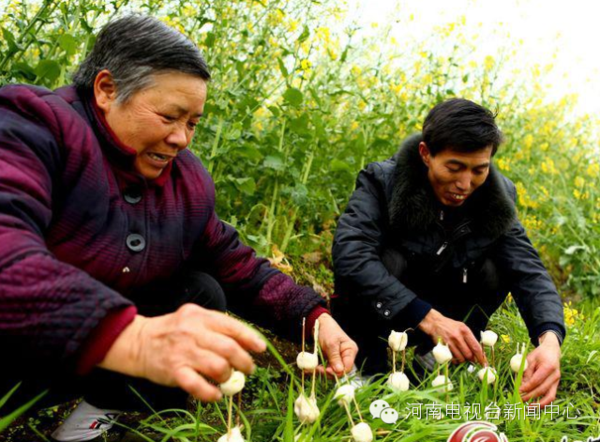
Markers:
(503, 164)
(305, 65)
(489, 62)
(593, 170)
(579, 182)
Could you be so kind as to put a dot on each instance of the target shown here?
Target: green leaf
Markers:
(245, 185)
(48, 70)
(293, 96)
(339, 166)
(24, 70)
(274, 110)
(275, 161)
(282, 67)
(10, 40)
(8, 419)
(300, 124)
(305, 34)
(249, 151)
(300, 195)
(68, 43)
(209, 41)
(575, 248)
(7, 396)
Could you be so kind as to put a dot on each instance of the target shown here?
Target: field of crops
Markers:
(297, 106)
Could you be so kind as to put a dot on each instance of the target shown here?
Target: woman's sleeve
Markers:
(255, 290)
(48, 308)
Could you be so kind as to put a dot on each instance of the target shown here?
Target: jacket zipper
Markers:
(441, 249)
(465, 275)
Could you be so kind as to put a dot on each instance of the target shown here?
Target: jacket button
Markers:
(386, 313)
(133, 195)
(378, 305)
(135, 242)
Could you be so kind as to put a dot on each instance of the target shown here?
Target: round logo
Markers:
(477, 431)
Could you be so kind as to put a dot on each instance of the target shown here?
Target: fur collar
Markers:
(414, 208)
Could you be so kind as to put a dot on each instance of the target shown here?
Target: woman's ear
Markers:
(424, 152)
(105, 90)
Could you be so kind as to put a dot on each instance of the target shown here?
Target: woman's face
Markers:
(158, 121)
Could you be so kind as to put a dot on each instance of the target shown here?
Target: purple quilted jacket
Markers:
(80, 232)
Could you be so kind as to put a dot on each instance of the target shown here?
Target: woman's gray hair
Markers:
(133, 49)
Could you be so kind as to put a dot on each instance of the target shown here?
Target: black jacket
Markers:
(394, 206)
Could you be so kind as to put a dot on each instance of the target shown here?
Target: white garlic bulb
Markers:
(399, 381)
(234, 384)
(489, 338)
(489, 372)
(362, 432)
(515, 361)
(397, 341)
(306, 409)
(344, 394)
(444, 383)
(307, 361)
(442, 353)
(235, 435)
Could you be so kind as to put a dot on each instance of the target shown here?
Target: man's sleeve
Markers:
(48, 308)
(357, 248)
(255, 290)
(530, 284)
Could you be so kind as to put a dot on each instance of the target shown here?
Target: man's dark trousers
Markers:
(472, 302)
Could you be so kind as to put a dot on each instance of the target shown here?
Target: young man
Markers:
(430, 241)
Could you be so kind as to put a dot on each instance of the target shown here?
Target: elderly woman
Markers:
(113, 263)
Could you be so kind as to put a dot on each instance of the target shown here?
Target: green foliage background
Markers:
(299, 104)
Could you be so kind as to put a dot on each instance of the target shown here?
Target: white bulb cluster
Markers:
(489, 338)
(397, 341)
(345, 394)
(362, 432)
(234, 384)
(231, 387)
(487, 374)
(307, 361)
(235, 435)
(442, 384)
(398, 381)
(306, 409)
(442, 353)
(517, 360)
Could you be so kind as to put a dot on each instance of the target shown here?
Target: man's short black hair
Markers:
(460, 125)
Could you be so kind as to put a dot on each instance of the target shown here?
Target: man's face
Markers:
(454, 176)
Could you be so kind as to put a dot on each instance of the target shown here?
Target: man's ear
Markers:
(425, 153)
(105, 90)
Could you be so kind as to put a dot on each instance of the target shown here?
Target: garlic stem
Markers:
(229, 412)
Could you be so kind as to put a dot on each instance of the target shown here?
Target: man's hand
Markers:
(181, 348)
(337, 347)
(455, 334)
(542, 376)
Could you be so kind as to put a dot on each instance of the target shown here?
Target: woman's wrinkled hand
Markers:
(339, 350)
(184, 348)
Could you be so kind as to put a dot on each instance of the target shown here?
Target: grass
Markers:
(267, 402)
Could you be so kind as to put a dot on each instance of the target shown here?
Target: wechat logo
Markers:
(380, 409)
